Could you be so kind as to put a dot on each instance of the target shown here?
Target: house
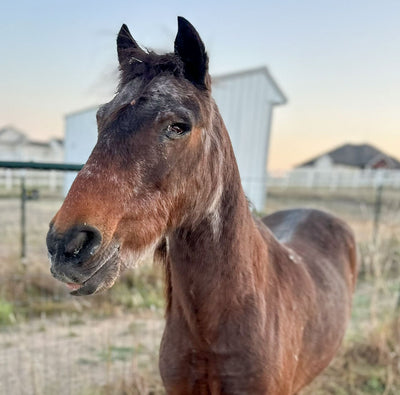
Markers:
(347, 166)
(245, 99)
(16, 146)
(352, 156)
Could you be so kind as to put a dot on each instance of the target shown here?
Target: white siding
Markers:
(245, 101)
(80, 138)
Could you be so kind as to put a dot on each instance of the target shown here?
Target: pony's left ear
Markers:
(126, 44)
(191, 50)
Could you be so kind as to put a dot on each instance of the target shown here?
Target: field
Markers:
(52, 343)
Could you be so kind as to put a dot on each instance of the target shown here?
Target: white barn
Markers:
(245, 100)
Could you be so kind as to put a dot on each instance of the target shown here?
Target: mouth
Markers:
(101, 279)
(73, 286)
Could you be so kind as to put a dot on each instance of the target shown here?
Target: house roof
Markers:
(20, 137)
(39, 143)
(356, 155)
(7, 129)
(11, 135)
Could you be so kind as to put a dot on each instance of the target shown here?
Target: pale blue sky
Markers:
(337, 62)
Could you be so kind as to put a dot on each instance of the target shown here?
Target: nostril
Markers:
(82, 243)
(51, 242)
(77, 243)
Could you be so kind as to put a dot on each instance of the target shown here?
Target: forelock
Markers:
(148, 65)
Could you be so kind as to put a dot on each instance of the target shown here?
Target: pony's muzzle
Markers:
(79, 259)
(75, 246)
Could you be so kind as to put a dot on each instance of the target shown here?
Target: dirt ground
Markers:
(72, 354)
(66, 356)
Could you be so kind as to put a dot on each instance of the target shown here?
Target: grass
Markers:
(135, 385)
(7, 316)
(369, 365)
(117, 353)
(31, 292)
(141, 288)
(368, 362)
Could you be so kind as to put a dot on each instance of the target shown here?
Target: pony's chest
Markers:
(185, 370)
(196, 374)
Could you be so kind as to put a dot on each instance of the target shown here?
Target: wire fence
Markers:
(336, 178)
(51, 342)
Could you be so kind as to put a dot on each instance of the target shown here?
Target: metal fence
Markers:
(53, 343)
(336, 178)
(11, 174)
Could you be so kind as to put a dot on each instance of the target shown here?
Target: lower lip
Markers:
(73, 286)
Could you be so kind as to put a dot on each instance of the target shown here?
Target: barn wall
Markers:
(245, 104)
(80, 138)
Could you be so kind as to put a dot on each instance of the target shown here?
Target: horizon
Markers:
(272, 170)
(337, 64)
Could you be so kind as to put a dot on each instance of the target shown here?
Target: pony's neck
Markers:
(208, 266)
(217, 236)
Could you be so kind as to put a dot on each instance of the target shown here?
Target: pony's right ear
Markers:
(125, 44)
(191, 50)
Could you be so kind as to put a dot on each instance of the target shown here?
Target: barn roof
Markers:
(356, 155)
(263, 70)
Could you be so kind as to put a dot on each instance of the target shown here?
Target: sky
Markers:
(337, 62)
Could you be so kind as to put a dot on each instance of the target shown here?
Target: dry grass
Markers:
(368, 362)
(136, 385)
(370, 365)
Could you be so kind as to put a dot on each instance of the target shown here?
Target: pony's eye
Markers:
(177, 130)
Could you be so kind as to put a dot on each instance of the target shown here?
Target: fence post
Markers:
(377, 211)
(8, 180)
(52, 181)
(23, 218)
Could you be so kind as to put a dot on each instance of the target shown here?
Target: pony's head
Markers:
(155, 167)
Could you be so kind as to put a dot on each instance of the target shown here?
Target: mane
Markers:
(148, 64)
(161, 257)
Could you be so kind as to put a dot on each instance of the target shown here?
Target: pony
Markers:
(252, 306)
